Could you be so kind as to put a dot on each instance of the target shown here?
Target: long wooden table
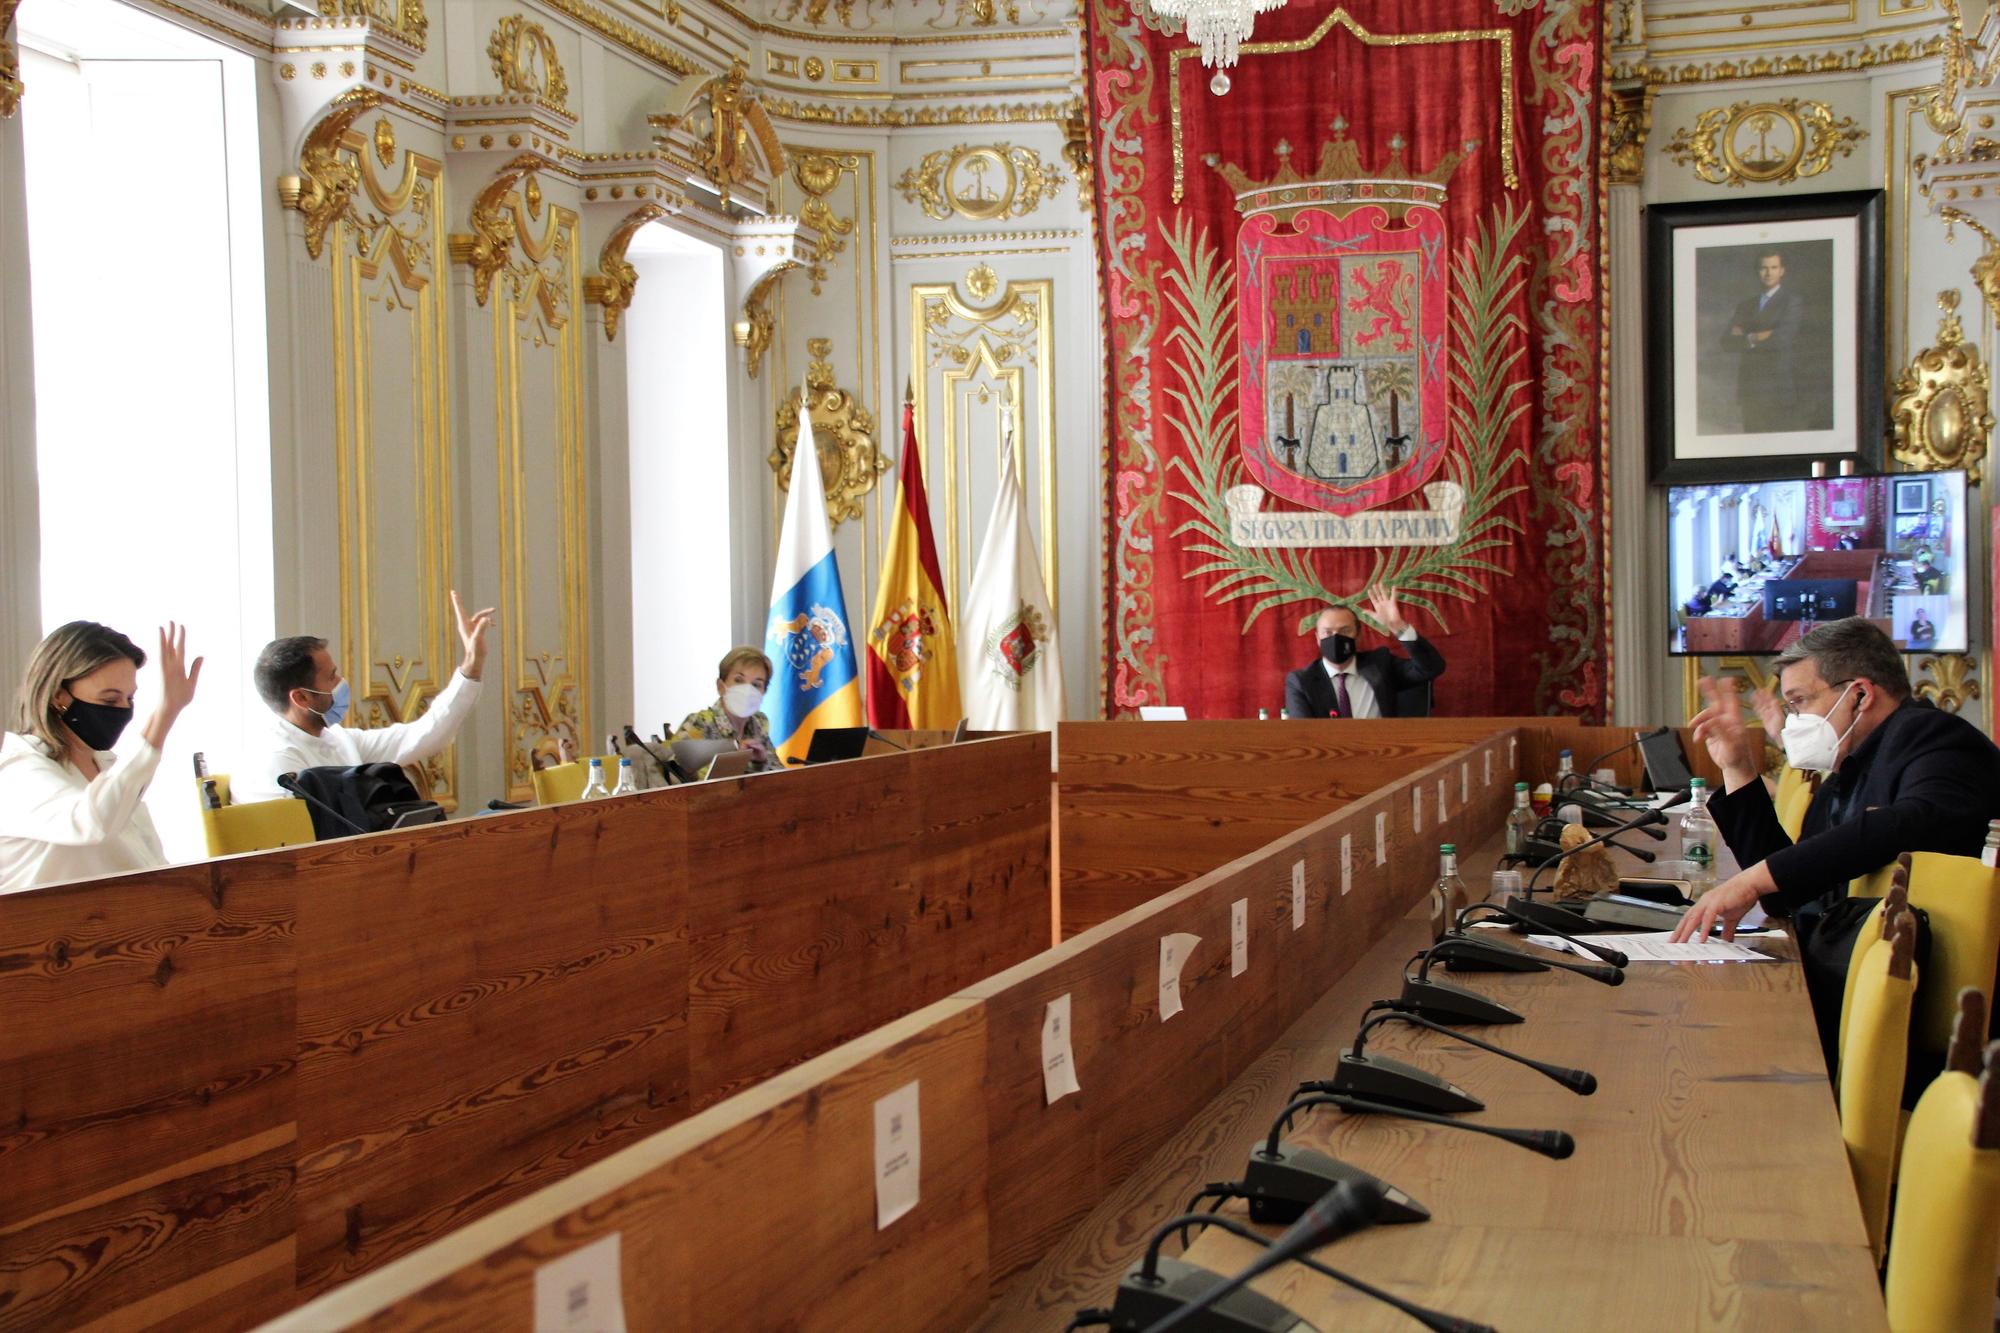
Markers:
(1709, 1187)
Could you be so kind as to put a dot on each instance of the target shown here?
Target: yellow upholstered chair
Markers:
(1895, 893)
(1945, 1254)
(565, 782)
(1874, 1055)
(1961, 895)
(1795, 793)
(254, 826)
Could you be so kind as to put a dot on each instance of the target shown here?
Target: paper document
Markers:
(1488, 757)
(1174, 951)
(1465, 783)
(898, 1154)
(579, 1293)
(1347, 857)
(1239, 937)
(1443, 813)
(1381, 840)
(1417, 809)
(1298, 894)
(1657, 947)
(1058, 1058)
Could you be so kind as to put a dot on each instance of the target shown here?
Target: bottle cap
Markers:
(1564, 752)
(1447, 847)
(1697, 783)
(595, 762)
(1520, 786)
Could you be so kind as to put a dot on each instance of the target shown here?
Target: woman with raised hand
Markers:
(69, 808)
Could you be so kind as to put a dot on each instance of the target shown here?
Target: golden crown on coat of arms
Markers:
(1342, 181)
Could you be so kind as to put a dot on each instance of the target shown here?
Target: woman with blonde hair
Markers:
(740, 682)
(68, 808)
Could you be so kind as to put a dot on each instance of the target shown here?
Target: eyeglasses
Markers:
(1795, 703)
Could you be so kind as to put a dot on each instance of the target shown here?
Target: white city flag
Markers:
(1009, 665)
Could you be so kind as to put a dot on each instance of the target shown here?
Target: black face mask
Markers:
(96, 725)
(1337, 648)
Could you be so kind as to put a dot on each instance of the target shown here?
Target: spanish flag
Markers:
(912, 652)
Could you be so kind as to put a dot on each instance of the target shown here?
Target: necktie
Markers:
(1340, 703)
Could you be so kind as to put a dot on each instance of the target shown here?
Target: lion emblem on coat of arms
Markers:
(810, 640)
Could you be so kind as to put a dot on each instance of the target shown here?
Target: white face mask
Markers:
(1811, 744)
(741, 699)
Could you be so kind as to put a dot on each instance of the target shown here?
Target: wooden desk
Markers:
(1709, 1187)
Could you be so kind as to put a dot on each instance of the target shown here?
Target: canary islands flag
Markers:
(814, 682)
(912, 653)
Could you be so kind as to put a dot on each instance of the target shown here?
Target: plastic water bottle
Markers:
(593, 790)
(1263, 715)
(1698, 839)
(626, 786)
(1520, 822)
(1449, 895)
(1565, 770)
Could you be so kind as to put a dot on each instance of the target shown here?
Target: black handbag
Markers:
(1827, 928)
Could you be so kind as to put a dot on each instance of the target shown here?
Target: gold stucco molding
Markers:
(843, 432)
(982, 182)
(1940, 401)
(525, 62)
(734, 141)
(612, 286)
(1625, 137)
(1764, 142)
(324, 188)
(10, 62)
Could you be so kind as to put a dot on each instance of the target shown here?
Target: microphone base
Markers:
(1380, 1079)
(1140, 1305)
(1281, 1187)
(1496, 958)
(1454, 1006)
(1551, 917)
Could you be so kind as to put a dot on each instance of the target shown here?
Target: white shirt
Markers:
(287, 748)
(57, 825)
(1360, 694)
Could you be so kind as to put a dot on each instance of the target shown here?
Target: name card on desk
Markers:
(898, 1154)
(1443, 813)
(1347, 857)
(1465, 783)
(580, 1292)
(1239, 937)
(1174, 951)
(1417, 809)
(1058, 1057)
(1487, 755)
(1299, 894)
(1381, 839)
(1513, 760)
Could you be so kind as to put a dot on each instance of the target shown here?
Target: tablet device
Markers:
(409, 814)
(691, 757)
(729, 764)
(1666, 761)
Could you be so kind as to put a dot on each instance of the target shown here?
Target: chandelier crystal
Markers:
(1218, 27)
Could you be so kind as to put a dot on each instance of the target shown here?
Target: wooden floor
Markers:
(1709, 1187)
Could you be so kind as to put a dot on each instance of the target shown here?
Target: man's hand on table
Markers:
(1725, 904)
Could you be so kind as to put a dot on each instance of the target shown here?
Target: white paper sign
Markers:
(1174, 951)
(1058, 1058)
(1443, 814)
(1417, 809)
(1239, 937)
(1465, 783)
(1513, 760)
(579, 1293)
(1488, 757)
(898, 1154)
(1381, 838)
(1347, 857)
(1299, 894)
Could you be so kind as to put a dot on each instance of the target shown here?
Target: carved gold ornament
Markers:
(404, 18)
(734, 139)
(500, 246)
(843, 432)
(611, 287)
(980, 181)
(524, 60)
(10, 62)
(1940, 402)
(1625, 139)
(1946, 679)
(817, 174)
(326, 182)
(1076, 152)
(1764, 143)
(981, 283)
(757, 327)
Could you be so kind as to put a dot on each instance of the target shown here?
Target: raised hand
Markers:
(1382, 602)
(472, 633)
(178, 678)
(1769, 711)
(1720, 727)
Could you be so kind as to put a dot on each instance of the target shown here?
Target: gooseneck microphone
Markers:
(1586, 775)
(669, 771)
(1657, 815)
(290, 782)
(1435, 1320)
(1379, 1078)
(1595, 815)
(1552, 1143)
(1457, 946)
(875, 735)
(1344, 1209)
(1548, 920)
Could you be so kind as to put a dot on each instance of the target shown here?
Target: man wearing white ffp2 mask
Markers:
(1901, 776)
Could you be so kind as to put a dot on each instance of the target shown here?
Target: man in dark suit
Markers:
(1345, 682)
(1902, 776)
(1764, 333)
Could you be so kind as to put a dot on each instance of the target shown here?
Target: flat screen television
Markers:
(1753, 565)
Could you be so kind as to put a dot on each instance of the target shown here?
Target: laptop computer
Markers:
(958, 732)
(831, 744)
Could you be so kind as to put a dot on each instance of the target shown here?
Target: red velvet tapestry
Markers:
(1355, 312)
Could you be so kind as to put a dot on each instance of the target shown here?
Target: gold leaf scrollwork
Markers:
(1941, 108)
(1764, 143)
(758, 326)
(980, 181)
(324, 188)
(1625, 138)
(491, 248)
(1947, 680)
(1076, 152)
(404, 18)
(843, 431)
(1940, 406)
(10, 62)
(817, 174)
(525, 63)
(611, 287)
(736, 124)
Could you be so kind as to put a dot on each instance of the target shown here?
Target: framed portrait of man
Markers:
(1764, 336)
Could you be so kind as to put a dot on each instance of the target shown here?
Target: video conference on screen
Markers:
(1753, 565)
